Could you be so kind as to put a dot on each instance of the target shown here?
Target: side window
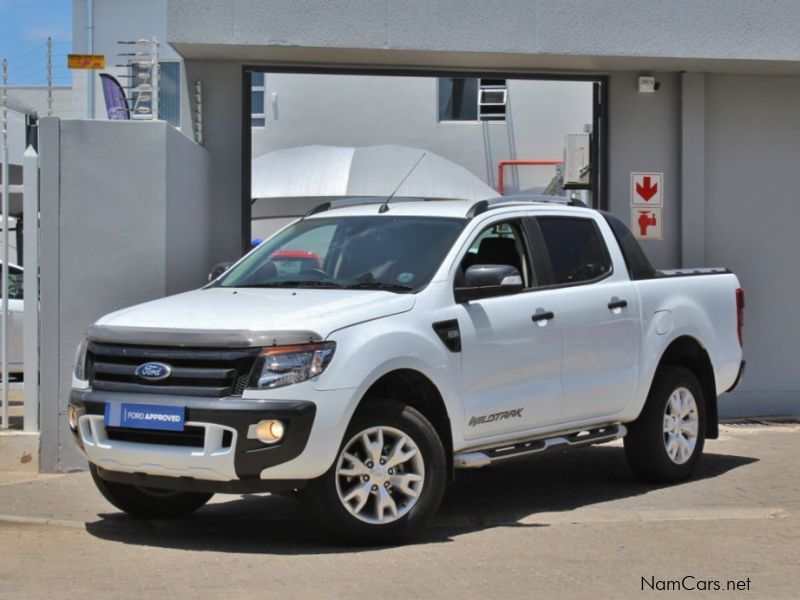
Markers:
(14, 283)
(498, 244)
(576, 248)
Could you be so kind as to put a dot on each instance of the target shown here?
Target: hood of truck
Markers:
(247, 316)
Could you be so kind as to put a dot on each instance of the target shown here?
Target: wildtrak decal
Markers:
(499, 416)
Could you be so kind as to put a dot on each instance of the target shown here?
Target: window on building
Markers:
(492, 99)
(169, 91)
(462, 99)
(577, 252)
(257, 93)
(458, 99)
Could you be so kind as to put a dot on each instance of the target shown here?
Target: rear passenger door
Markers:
(597, 311)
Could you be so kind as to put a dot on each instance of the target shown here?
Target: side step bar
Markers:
(585, 437)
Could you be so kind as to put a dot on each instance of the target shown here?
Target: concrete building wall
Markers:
(752, 213)
(574, 34)
(189, 213)
(644, 135)
(222, 137)
(35, 97)
(126, 241)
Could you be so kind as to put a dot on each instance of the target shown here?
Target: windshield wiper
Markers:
(379, 285)
(292, 283)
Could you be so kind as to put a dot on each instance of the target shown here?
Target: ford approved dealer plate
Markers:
(144, 416)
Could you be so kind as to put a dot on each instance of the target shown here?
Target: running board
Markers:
(584, 437)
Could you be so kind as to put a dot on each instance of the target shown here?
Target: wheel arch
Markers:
(413, 388)
(686, 351)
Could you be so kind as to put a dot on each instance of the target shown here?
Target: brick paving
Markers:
(571, 525)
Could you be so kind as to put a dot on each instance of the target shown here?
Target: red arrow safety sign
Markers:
(647, 189)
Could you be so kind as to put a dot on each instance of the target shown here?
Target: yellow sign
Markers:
(86, 61)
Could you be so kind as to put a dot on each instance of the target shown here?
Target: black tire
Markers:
(646, 441)
(322, 498)
(148, 503)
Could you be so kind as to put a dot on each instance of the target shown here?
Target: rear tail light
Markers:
(739, 312)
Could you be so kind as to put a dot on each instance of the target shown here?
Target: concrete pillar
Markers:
(693, 169)
(50, 210)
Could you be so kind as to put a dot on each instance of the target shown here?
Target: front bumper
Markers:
(212, 454)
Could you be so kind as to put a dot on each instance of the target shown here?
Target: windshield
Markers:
(397, 254)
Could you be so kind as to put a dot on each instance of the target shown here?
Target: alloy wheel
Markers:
(380, 474)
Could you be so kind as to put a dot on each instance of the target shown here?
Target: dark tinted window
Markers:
(577, 251)
(458, 99)
(635, 259)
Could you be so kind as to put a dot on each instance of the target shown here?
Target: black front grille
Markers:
(192, 437)
(212, 372)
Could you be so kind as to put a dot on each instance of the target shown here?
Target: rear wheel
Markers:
(664, 444)
(387, 481)
(148, 502)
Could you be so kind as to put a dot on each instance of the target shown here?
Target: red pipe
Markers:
(503, 163)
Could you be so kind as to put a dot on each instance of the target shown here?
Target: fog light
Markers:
(72, 418)
(269, 431)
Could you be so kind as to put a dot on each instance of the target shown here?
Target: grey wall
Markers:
(644, 135)
(222, 137)
(114, 234)
(752, 215)
(189, 213)
(572, 34)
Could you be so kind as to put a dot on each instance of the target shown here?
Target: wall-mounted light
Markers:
(648, 84)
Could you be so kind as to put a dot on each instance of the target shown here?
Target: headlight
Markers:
(80, 360)
(284, 365)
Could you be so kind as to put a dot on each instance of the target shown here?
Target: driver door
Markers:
(511, 376)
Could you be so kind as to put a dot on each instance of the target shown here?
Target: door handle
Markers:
(542, 316)
(614, 304)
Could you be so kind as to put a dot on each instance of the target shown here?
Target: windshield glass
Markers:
(397, 254)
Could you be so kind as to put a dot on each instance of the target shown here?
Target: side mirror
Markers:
(219, 269)
(488, 281)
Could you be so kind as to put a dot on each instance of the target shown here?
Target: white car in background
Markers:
(15, 317)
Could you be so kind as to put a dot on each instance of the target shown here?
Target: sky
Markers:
(24, 28)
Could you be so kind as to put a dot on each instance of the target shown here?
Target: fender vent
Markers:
(449, 333)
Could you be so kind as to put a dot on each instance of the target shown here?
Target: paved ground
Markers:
(565, 526)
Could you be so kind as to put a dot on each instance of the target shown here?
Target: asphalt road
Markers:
(570, 525)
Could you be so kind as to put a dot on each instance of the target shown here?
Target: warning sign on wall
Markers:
(646, 223)
(86, 61)
(647, 189)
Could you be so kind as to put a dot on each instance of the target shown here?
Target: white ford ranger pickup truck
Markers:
(366, 351)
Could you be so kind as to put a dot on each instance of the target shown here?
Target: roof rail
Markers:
(503, 201)
(344, 202)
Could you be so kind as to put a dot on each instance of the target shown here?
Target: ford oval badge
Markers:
(153, 371)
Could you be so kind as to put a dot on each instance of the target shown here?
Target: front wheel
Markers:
(145, 502)
(664, 444)
(387, 480)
